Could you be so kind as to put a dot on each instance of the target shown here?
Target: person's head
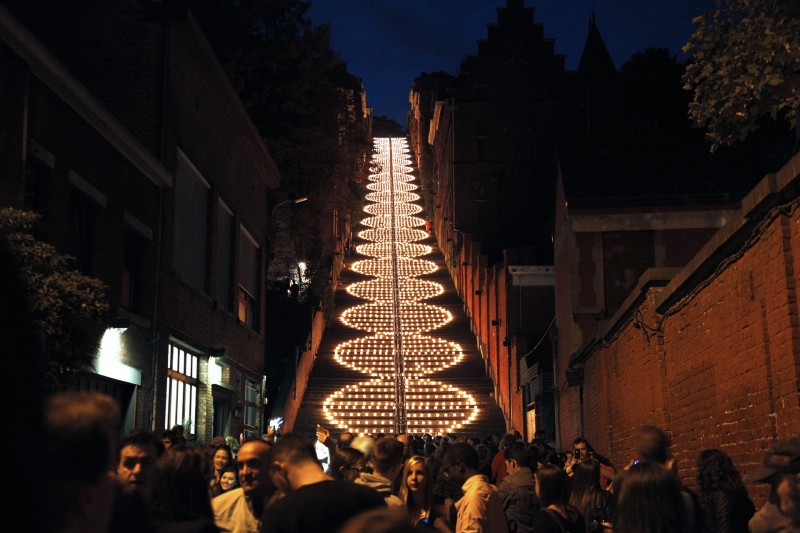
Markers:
(507, 442)
(254, 461)
(460, 462)
(781, 469)
(79, 434)
(221, 458)
(168, 439)
(585, 485)
(290, 454)
(581, 448)
(405, 440)
(347, 464)
(345, 439)
(364, 444)
(653, 445)
(550, 458)
(387, 457)
(715, 471)
(138, 452)
(179, 487)
(416, 482)
(552, 485)
(228, 478)
(516, 459)
(649, 500)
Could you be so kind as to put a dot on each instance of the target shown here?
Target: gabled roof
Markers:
(596, 63)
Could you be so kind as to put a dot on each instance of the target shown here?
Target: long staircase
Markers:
(444, 392)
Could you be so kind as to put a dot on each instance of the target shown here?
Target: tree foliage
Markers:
(745, 66)
(60, 298)
(288, 77)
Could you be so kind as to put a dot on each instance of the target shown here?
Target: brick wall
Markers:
(303, 371)
(712, 353)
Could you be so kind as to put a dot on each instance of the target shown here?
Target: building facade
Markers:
(175, 221)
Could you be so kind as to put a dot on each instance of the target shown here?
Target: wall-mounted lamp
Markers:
(120, 323)
(217, 352)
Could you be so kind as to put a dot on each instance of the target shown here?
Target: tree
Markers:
(60, 298)
(289, 79)
(745, 67)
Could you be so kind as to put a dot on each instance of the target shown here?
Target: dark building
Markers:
(168, 195)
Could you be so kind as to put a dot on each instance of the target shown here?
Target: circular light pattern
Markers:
(398, 351)
(384, 249)
(381, 289)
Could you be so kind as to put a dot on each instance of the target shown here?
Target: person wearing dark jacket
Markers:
(518, 491)
(726, 505)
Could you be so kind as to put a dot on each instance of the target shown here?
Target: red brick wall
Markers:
(303, 371)
(714, 362)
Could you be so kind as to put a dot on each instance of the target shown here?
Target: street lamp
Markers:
(287, 202)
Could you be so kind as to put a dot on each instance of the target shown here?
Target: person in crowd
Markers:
(78, 444)
(582, 451)
(518, 490)
(650, 500)
(228, 480)
(345, 439)
(387, 462)
(781, 469)
(138, 452)
(381, 521)
(485, 460)
(239, 510)
(499, 462)
(726, 504)
(653, 445)
(550, 458)
(168, 439)
(416, 493)
(480, 508)
(314, 502)
(347, 464)
(556, 514)
(595, 504)
(405, 440)
(364, 444)
(179, 492)
(221, 458)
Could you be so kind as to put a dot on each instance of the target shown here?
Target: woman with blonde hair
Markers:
(416, 492)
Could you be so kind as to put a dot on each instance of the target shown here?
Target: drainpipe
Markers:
(162, 148)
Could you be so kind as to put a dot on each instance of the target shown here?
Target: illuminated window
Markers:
(182, 382)
(251, 408)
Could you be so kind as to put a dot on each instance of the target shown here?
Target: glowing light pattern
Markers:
(397, 356)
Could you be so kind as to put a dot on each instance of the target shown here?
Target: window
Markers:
(38, 173)
(480, 141)
(251, 408)
(191, 223)
(224, 256)
(182, 368)
(84, 213)
(133, 272)
(249, 268)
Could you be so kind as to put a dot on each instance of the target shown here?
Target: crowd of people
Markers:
(388, 483)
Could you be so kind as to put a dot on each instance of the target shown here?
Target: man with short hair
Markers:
(314, 502)
(138, 452)
(518, 490)
(387, 462)
(79, 434)
(239, 510)
(781, 469)
(480, 510)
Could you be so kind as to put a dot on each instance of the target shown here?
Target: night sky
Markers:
(388, 43)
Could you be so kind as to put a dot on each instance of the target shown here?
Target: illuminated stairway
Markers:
(407, 360)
